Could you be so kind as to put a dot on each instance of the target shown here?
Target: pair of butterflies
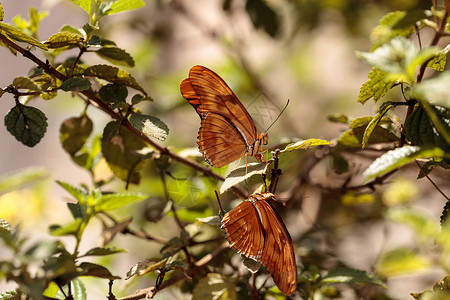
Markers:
(228, 133)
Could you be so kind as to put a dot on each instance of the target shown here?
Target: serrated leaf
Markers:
(215, 287)
(4, 225)
(27, 124)
(77, 193)
(341, 275)
(305, 144)
(401, 261)
(63, 39)
(26, 83)
(150, 126)
(17, 35)
(124, 5)
(74, 132)
(121, 155)
(95, 270)
(22, 178)
(397, 158)
(71, 228)
(113, 93)
(373, 124)
(75, 84)
(2, 13)
(376, 87)
(102, 251)
(9, 295)
(438, 63)
(114, 75)
(144, 267)
(242, 173)
(84, 4)
(390, 27)
(113, 201)
(212, 220)
(116, 56)
(71, 29)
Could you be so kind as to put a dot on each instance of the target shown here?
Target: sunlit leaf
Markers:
(71, 228)
(212, 220)
(2, 14)
(144, 267)
(392, 25)
(77, 290)
(77, 193)
(26, 83)
(242, 173)
(435, 90)
(84, 4)
(376, 87)
(373, 124)
(123, 5)
(305, 144)
(401, 261)
(150, 126)
(113, 201)
(17, 35)
(27, 124)
(63, 39)
(423, 226)
(22, 178)
(114, 75)
(397, 158)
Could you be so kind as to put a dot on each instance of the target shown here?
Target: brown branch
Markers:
(152, 291)
(432, 182)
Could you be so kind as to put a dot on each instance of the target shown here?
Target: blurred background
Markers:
(302, 50)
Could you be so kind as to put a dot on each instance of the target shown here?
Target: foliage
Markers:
(196, 253)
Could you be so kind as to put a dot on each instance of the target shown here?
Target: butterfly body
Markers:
(227, 130)
(255, 230)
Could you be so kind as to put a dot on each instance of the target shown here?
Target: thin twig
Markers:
(432, 182)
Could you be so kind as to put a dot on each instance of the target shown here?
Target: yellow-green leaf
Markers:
(242, 173)
(2, 14)
(215, 287)
(84, 4)
(17, 35)
(124, 5)
(26, 83)
(305, 144)
(63, 39)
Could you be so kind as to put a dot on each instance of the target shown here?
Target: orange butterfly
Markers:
(227, 130)
(256, 230)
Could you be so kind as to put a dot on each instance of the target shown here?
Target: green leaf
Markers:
(74, 132)
(77, 290)
(113, 201)
(138, 99)
(77, 193)
(9, 295)
(353, 138)
(435, 90)
(27, 124)
(374, 123)
(2, 13)
(114, 75)
(124, 5)
(393, 24)
(305, 144)
(4, 225)
(84, 4)
(75, 84)
(17, 35)
(341, 275)
(242, 173)
(121, 154)
(113, 93)
(102, 251)
(26, 83)
(397, 158)
(212, 220)
(71, 29)
(63, 39)
(401, 261)
(215, 287)
(22, 178)
(111, 129)
(116, 56)
(262, 15)
(94, 270)
(146, 266)
(150, 126)
(422, 132)
(69, 229)
(75, 209)
(376, 87)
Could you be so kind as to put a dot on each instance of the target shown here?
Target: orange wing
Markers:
(243, 230)
(212, 98)
(278, 254)
(256, 230)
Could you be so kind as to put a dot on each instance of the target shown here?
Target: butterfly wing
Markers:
(211, 96)
(278, 254)
(243, 230)
(219, 142)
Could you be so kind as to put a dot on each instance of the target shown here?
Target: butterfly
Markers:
(227, 130)
(255, 230)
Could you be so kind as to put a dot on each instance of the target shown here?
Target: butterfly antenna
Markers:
(221, 214)
(278, 116)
